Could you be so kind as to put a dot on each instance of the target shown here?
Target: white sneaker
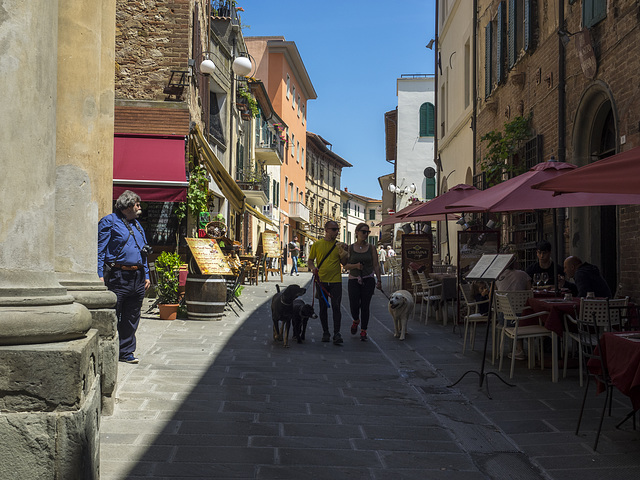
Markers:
(297, 274)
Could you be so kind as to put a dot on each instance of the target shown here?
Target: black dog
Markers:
(302, 312)
(282, 311)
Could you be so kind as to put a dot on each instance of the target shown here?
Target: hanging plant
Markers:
(501, 146)
(246, 96)
(167, 271)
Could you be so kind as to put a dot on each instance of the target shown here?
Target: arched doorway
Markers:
(594, 230)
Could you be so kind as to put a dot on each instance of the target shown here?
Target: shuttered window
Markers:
(500, 40)
(519, 29)
(593, 11)
(488, 83)
(430, 188)
(427, 120)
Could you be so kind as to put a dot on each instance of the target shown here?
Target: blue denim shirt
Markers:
(117, 245)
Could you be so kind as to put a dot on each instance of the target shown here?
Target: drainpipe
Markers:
(435, 121)
(560, 247)
(474, 116)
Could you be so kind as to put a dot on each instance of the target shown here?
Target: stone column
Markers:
(49, 383)
(84, 159)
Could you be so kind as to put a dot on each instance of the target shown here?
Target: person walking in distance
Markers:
(122, 265)
(294, 250)
(363, 265)
(326, 257)
(382, 257)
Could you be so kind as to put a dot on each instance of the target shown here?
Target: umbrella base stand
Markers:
(482, 376)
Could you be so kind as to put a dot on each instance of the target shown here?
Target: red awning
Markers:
(151, 166)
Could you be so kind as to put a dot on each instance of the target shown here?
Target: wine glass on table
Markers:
(536, 279)
(544, 278)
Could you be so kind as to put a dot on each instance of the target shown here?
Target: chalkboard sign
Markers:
(270, 244)
(209, 257)
(159, 222)
(416, 249)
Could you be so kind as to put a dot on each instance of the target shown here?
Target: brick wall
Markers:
(615, 41)
(152, 38)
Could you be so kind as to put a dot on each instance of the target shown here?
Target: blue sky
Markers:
(354, 51)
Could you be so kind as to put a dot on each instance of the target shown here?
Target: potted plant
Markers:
(167, 271)
(245, 97)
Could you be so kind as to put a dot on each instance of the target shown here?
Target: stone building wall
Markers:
(152, 38)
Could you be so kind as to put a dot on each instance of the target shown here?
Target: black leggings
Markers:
(360, 299)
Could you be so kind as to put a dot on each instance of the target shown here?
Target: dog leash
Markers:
(388, 297)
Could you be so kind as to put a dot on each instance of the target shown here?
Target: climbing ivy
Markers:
(501, 146)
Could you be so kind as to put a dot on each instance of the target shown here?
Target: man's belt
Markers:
(126, 267)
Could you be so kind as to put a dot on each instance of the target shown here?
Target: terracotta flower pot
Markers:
(168, 311)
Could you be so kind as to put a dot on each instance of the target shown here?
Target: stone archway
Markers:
(593, 231)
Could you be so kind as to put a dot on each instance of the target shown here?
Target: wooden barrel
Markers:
(205, 296)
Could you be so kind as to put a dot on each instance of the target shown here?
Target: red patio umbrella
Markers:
(616, 174)
(517, 194)
(401, 216)
(438, 205)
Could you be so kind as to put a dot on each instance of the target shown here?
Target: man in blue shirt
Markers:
(122, 265)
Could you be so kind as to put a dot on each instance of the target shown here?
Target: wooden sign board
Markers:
(270, 244)
(417, 249)
(209, 257)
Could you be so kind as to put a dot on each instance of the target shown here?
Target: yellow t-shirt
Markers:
(331, 269)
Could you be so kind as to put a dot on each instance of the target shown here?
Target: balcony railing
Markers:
(225, 9)
(271, 151)
(299, 212)
(255, 187)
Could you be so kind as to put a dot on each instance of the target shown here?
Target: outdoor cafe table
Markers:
(621, 351)
(449, 283)
(554, 321)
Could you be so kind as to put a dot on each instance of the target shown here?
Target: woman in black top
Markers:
(363, 264)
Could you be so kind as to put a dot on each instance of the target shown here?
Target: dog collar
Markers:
(282, 301)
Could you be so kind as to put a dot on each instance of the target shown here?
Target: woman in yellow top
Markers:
(329, 255)
(363, 265)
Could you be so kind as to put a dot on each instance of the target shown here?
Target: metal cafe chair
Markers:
(471, 316)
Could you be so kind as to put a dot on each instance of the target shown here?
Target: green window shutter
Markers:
(430, 188)
(487, 60)
(512, 30)
(528, 24)
(593, 11)
(427, 120)
(500, 50)
(423, 120)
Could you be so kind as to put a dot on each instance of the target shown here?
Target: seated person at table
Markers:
(512, 279)
(587, 278)
(480, 292)
(544, 263)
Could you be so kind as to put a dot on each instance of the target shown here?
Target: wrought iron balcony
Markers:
(270, 152)
(254, 186)
(225, 9)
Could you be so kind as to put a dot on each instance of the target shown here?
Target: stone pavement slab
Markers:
(222, 400)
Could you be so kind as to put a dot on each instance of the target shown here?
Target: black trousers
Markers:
(128, 285)
(360, 299)
(335, 290)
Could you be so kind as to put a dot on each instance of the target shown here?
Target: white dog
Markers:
(400, 307)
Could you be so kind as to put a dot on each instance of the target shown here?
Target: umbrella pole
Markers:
(446, 226)
(555, 250)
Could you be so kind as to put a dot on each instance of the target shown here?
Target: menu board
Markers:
(271, 244)
(472, 245)
(416, 249)
(159, 222)
(210, 259)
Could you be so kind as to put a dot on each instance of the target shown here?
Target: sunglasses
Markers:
(366, 232)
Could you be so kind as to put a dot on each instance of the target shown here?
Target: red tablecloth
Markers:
(622, 356)
(556, 308)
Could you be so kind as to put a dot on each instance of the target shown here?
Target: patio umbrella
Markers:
(616, 174)
(517, 194)
(401, 216)
(438, 205)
